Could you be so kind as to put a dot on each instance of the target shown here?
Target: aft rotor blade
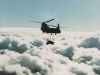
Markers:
(35, 21)
(50, 20)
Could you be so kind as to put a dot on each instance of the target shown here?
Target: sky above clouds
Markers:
(73, 15)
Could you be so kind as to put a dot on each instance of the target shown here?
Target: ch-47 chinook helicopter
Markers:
(45, 28)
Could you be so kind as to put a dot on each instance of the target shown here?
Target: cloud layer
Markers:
(72, 54)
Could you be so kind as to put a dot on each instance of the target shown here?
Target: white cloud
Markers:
(91, 42)
(29, 55)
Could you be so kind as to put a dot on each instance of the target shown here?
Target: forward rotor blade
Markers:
(50, 20)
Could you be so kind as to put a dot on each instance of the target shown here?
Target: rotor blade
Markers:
(35, 21)
(50, 20)
(65, 26)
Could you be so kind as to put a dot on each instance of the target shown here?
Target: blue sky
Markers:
(71, 14)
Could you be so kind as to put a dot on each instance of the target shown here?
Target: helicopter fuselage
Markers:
(46, 29)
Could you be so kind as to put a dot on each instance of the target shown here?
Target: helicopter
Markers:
(45, 28)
